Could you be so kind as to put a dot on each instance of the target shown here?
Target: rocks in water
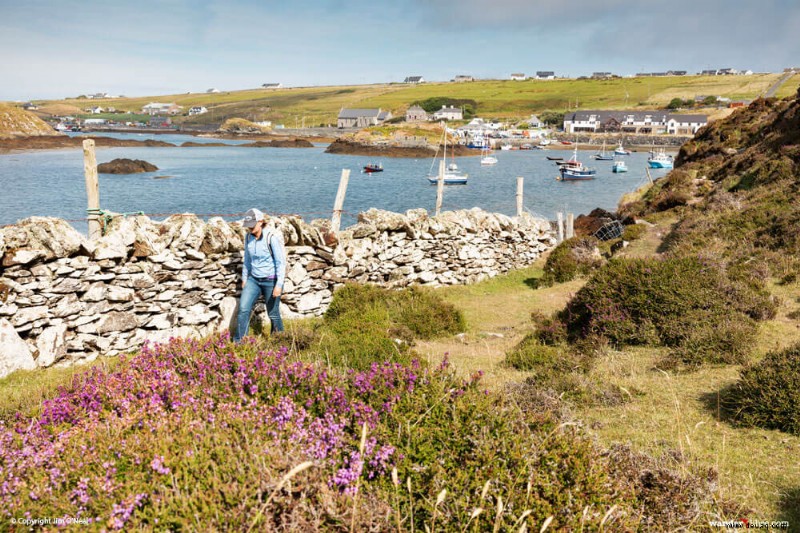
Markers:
(280, 143)
(126, 166)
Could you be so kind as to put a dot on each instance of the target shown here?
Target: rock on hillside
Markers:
(126, 166)
(242, 126)
(16, 122)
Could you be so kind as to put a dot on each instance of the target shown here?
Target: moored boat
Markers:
(621, 151)
(372, 167)
(619, 166)
(451, 174)
(660, 159)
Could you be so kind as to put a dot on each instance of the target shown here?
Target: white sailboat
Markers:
(487, 156)
(452, 176)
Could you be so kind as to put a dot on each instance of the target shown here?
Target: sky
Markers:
(52, 49)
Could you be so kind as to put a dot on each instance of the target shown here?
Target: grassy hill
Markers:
(495, 98)
(16, 122)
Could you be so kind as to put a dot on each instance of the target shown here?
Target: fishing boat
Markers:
(554, 158)
(576, 174)
(574, 170)
(372, 167)
(452, 176)
(659, 159)
(602, 155)
(621, 151)
(619, 166)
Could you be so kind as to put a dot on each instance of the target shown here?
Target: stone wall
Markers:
(64, 299)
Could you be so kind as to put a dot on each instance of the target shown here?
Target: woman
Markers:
(263, 273)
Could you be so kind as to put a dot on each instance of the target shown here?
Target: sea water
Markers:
(228, 180)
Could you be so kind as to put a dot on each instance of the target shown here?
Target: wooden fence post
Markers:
(92, 189)
(520, 181)
(560, 218)
(570, 226)
(440, 188)
(336, 219)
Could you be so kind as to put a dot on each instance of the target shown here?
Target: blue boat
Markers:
(660, 160)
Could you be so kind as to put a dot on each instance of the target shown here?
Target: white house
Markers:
(271, 85)
(156, 108)
(448, 113)
(535, 123)
(95, 110)
(518, 76)
(545, 75)
(212, 90)
(463, 77)
(416, 114)
(414, 79)
(361, 118)
(197, 110)
(685, 124)
(94, 121)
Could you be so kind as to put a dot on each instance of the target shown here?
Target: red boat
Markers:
(566, 142)
(369, 169)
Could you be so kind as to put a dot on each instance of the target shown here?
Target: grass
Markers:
(666, 411)
(496, 98)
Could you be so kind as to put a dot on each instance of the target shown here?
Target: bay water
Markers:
(228, 180)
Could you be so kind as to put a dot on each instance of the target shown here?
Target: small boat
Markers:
(526, 146)
(451, 174)
(554, 158)
(619, 166)
(505, 147)
(621, 151)
(487, 157)
(575, 174)
(566, 142)
(659, 159)
(602, 155)
(544, 142)
(372, 167)
(574, 170)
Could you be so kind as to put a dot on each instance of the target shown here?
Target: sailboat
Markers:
(602, 155)
(487, 156)
(451, 174)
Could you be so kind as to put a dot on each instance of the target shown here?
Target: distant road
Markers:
(777, 85)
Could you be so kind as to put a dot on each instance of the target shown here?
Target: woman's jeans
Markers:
(252, 289)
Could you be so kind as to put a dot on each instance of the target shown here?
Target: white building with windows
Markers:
(448, 113)
(639, 122)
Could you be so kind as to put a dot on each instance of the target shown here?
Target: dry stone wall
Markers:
(64, 299)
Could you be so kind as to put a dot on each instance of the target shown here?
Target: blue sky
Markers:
(62, 48)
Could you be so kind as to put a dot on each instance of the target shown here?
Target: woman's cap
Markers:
(252, 217)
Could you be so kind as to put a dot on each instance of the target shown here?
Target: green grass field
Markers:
(495, 98)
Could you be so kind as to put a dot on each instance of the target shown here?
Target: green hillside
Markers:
(495, 98)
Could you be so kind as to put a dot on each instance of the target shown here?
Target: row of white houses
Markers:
(642, 122)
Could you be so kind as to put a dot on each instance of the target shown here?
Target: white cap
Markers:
(252, 217)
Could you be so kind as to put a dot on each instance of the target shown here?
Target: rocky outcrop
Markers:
(67, 299)
(16, 122)
(48, 142)
(242, 126)
(280, 143)
(126, 166)
(350, 147)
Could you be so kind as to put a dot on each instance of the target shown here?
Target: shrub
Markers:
(767, 394)
(633, 232)
(366, 323)
(687, 303)
(571, 258)
(208, 432)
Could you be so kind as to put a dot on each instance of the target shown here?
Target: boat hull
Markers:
(660, 164)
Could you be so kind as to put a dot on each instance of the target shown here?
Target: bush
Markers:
(767, 394)
(571, 258)
(686, 303)
(633, 232)
(367, 323)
